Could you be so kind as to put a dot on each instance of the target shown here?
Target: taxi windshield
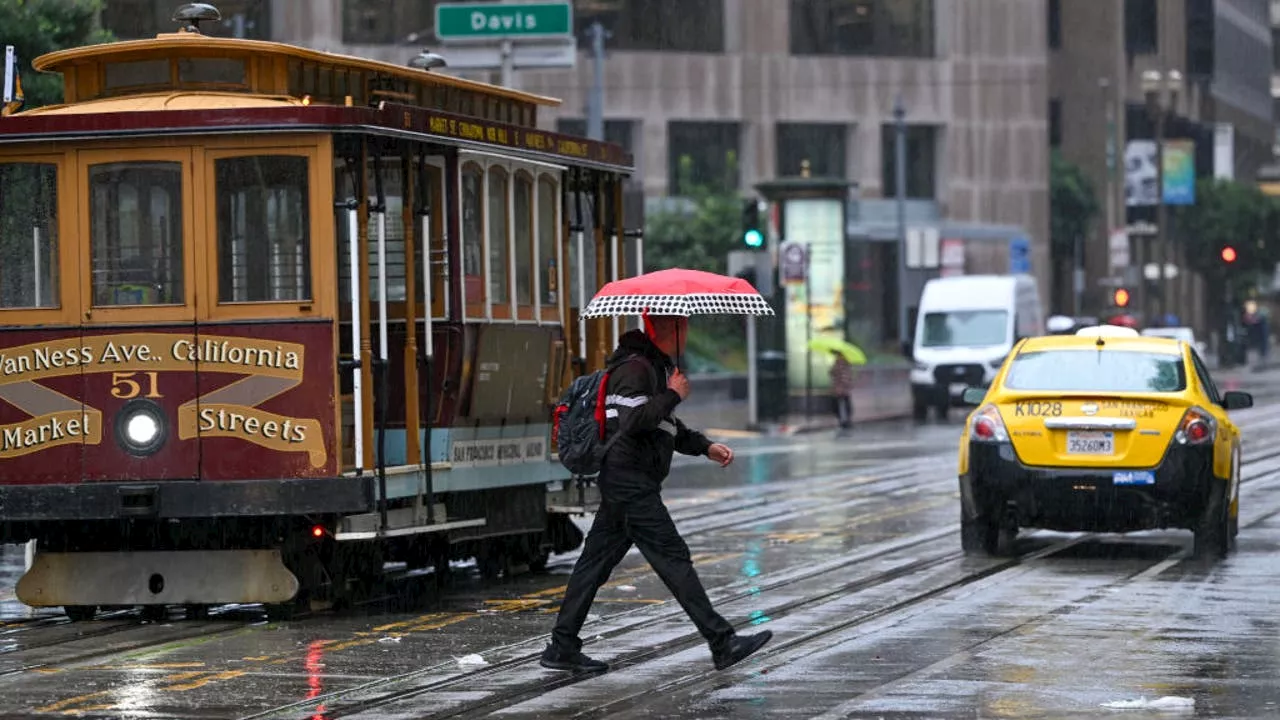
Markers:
(965, 328)
(1096, 371)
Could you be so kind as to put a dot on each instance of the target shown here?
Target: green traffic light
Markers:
(753, 238)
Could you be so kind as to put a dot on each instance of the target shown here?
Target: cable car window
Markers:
(524, 239)
(142, 73)
(213, 71)
(135, 233)
(548, 195)
(28, 235)
(472, 241)
(499, 252)
(264, 234)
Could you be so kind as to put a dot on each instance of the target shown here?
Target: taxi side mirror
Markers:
(1236, 400)
(973, 395)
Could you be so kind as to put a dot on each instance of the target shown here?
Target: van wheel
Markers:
(919, 409)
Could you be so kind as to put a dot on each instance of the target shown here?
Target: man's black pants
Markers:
(643, 520)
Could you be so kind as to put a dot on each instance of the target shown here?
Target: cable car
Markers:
(271, 317)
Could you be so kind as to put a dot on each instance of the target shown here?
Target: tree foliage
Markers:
(36, 27)
(1073, 205)
(1228, 213)
(699, 235)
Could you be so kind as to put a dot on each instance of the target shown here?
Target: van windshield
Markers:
(960, 328)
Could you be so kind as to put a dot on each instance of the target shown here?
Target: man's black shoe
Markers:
(739, 648)
(555, 659)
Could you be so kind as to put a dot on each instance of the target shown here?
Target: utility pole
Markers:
(507, 73)
(595, 98)
(900, 163)
(1108, 102)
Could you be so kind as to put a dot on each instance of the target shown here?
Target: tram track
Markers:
(528, 660)
(189, 631)
(723, 594)
(795, 649)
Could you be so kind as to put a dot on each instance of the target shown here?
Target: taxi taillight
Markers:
(1197, 428)
(987, 426)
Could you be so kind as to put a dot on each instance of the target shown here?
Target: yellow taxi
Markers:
(1101, 431)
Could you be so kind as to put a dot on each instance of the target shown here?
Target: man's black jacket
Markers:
(639, 402)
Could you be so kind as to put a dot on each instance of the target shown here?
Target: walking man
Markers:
(641, 394)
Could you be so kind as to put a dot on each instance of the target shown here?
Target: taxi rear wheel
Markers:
(1213, 534)
(988, 537)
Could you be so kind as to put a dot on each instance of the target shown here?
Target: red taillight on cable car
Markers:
(317, 531)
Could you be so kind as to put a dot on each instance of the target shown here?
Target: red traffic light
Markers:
(1228, 254)
(1121, 297)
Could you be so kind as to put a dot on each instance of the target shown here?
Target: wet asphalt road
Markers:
(846, 547)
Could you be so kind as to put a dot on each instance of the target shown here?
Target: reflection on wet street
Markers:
(846, 547)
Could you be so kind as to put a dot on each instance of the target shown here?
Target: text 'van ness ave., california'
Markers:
(149, 351)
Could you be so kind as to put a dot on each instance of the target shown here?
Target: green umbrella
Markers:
(852, 353)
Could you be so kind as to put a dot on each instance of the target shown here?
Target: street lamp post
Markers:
(900, 165)
(1154, 85)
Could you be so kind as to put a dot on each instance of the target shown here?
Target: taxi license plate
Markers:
(1091, 443)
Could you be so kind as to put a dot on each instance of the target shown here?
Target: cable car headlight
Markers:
(141, 428)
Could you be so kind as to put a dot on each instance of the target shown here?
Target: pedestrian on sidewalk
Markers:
(641, 395)
(842, 389)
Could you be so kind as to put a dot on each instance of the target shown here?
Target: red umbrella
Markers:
(678, 292)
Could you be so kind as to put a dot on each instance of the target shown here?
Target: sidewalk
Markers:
(729, 418)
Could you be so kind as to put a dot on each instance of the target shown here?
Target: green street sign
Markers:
(503, 21)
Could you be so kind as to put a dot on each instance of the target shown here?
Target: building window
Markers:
(881, 28)
(921, 164)
(135, 233)
(1141, 30)
(28, 235)
(618, 132)
(1055, 24)
(672, 25)
(1055, 123)
(139, 19)
(822, 144)
(263, 229)
(702, 154)
(385, 22)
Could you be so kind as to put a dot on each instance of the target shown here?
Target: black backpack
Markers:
(578, 421)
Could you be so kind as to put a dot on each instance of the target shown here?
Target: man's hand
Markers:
(720, 453)
(679, 383)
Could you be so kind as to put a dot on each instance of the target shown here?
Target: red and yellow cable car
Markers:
(271, 317)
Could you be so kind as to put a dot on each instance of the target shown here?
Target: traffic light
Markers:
(1228, 254)
(1120, 297)
(752, 233)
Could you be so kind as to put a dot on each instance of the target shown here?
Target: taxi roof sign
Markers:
(1107, 331)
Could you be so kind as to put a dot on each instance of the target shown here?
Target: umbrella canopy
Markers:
(678, 292)
(851, 352)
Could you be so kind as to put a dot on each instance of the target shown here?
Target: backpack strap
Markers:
(604, 389)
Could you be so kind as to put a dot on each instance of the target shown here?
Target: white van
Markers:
(965, 327)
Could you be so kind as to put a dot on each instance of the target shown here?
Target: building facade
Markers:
(742, 91)
(1100, 52)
